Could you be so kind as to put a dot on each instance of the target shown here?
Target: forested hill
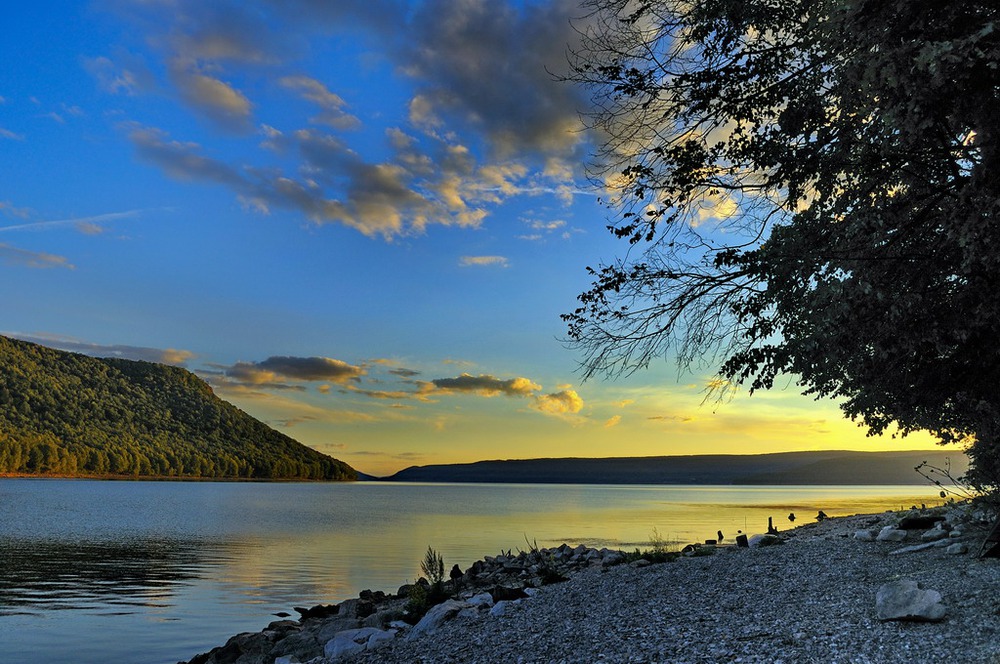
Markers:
(785, 468)
(68, 414)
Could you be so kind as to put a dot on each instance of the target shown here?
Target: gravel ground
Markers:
(810, 600)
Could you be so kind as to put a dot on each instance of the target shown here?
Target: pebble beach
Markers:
(811, 598)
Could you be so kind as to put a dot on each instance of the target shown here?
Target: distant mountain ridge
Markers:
(813, 468)
(74, 415)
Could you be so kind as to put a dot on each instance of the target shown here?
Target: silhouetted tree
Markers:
(808, 187)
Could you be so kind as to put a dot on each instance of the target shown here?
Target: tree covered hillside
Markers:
(68, 414)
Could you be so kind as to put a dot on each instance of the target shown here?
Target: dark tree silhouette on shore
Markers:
(807, 188)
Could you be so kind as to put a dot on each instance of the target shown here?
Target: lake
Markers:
(156, 572)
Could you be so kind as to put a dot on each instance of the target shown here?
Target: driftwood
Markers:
(991, 545)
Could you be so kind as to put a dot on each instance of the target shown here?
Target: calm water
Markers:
(156, 572)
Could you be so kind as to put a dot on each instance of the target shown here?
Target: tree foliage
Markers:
(808, 187)
(68, 414)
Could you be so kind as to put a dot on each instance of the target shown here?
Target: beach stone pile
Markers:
(838, 590)
(337, 631)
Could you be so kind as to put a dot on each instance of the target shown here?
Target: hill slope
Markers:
(68, 414)
(827, 467)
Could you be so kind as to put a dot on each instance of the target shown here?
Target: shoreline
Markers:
(813, 598)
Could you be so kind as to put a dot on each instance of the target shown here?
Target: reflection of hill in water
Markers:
(46, 575)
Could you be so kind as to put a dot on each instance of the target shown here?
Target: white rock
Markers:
(499, 608)
(531, 592)
(380, 638)
(906, 600)
(864, 535)
(934, 534)
(482, 599)
(957, 549)
(349, 642)
(436, 616)
(286, 659)
(891, 534)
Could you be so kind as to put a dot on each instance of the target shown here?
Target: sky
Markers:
(359, 221)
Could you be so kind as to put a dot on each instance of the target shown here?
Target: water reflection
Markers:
(42, 575)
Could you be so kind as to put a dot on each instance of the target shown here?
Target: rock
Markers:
(286, 659)
(353, 641)
(934, 534)
(482, 599)
(318, 611)
(499, 608)
(436, 616)
(642, 562)
(890, 534)
(383, 617)
(864, 535)
(919, 522)
(764, 540)
(613, 558)
(913, 548)
(379, 639)
(957, 549)
(907, 600)
(501, 593)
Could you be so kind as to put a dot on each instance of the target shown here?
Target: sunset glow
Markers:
(358, 221)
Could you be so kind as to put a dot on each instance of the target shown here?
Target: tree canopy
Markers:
(810, 188)
(69, 414)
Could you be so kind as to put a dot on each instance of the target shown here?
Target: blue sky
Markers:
(358, 221)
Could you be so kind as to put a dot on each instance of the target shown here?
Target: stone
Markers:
(482, 599)
(641, 562)
(905, 599)
(380, 638)
(613, 558)
(890, 534)
(864, 535)
(913, 548)
(934, 534)
(286, 659)
(352, 641)
(764, 540)
(919, 522)
(437, 616)
(500, 608)
(957, 549)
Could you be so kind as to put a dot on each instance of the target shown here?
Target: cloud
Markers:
(566, 401)
(215, 99)
(6, 133)
(467, 261)
(379, 199)
(612, 421)
(484, 385)
(171, 356)
(294, 368)
(489, 65)
(331, 106)
(111, 77)
(33, 259)
(487, 121)
(9, 210)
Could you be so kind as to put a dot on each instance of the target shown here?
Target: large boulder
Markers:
(890, 534)
(352, 641)
(437, 616)
(905, 599)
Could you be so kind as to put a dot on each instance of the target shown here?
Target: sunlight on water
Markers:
(157, 572)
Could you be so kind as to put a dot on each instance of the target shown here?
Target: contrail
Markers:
(97, 218)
